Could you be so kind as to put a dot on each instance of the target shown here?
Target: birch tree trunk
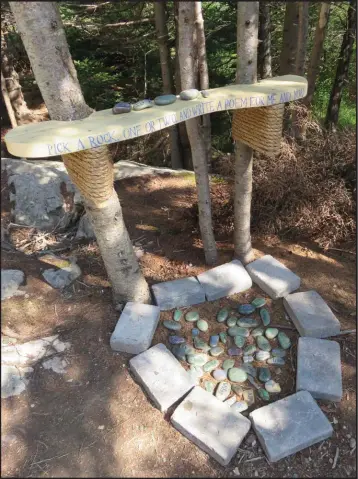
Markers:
(264, 52)
(167, 77)
(42, 33)
(246, 72)
(186, 60)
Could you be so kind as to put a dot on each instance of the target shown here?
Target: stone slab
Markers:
(178, 293)
(135, 328)
(224, 280)
(11, 279)
(311, 315)
(273, 277)
(319, 368)
(289, 425)
(161, 375)
(211, 425)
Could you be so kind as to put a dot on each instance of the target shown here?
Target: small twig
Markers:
(278, 326)
(347, 331)
(255, 459)
(50, 459)
(342, 250)
(335, 458)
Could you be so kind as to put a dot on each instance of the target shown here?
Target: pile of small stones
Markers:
(247, 341)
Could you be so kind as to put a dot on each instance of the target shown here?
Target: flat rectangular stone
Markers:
(135, 328)
(178, 293)
(224, 280)
(311, 315)
(161, 375)
(319, 369)
(289, 425)
(211, 425)
(273, 277)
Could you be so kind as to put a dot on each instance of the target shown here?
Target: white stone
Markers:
(211, 425)
(311, 315)
(289, 425)
(11, 279)
(161, 375)
(57, 365)
(224, 280)
(178, 293)
(273, 277)
(135, 328)
(13, 380)
(319, 368)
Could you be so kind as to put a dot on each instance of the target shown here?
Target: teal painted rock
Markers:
(237, 389)
(176, 340)
(232, 331)
(284, 340)
(220, 374)
(234, 351)
(165, 100)
(190, 94)
(177, 315)
(237, 375)
(240, 406)
(222, 315)
(271, 333)
(216, 351)
(246, 308)
(239, 341)
(201, 344)
(264, 395)
(250, 349)
(257, 332)
(249, 397)
(264, 374)
(228, 364)
(197, 359)
(142, 105)
(205, 93)
(223, 337)
(262, 355)
(214, 341)
(121, 107)
(192, 316)
(258, 302)
(209, 386)
(272, 386)
(247, 322)
(202, 325)
(265, 316)
(251, 371)
(223, 391)
(278, 353)
(172, 325)
(253, 382)
(188, 349)
(230, 401)
(195, 332)
(243, 332)
(231, 322)
(179, 352)
(211, 365)
(247, 359)
(276, 361)
(263, 344)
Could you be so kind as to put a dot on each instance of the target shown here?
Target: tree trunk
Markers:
(9, 109)
(42, 33)
(203, 77)
(246, 72)
(264, 52)
(289, 41)
(168, 85)
(186, 60)
(342, 68)
(21, 111)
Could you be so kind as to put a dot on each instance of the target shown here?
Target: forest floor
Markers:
(95, 420)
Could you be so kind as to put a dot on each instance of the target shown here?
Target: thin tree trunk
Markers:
(203, 77)
(264, 52)
(42, 33)
(246, 72)
(9, 109)
(168, 85)
(186, 60)
(342, 68)
(289, 41)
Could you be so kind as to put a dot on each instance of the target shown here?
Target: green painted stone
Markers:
(231, 321)
(223, 391)
(264, 395)
(250, 349)
(263, 344)
(264, 374)
(165, 100)
(211, 365)
(172, 325)
(192, 316)
(284, 340)
(278, 352)
(243, 332)
(201, 344)
(271, 333)
(188, 349)
(246, 308)
(232, 331)
(247, 322)
(222, 315)
(249, 397)
(237, 375)
(250, 370)
(209, 386)
(237, 389)
(253, 382)
(177, 315)
(223, 337)
(197, 359)
(202, 325)
(262, 355)
(272, 386)
(257, 332)
(179, 351)
(239, 341)
(265, 316)
(228, 364)
(276, 361)
(258, 302)
(216, 351)
(247, 359)
(142, 105)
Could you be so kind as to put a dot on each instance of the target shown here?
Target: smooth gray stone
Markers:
(217, 351)
(233, 331)
(257, 332)
(253, 382)
(220, 374)
(272, 387)
(179, 352)
(248, 358)
(197, 359)
(178, 293)
(142, 105)
(278, 352)
(60, 278)
(247, 322)
(201, 344)
(222, 315)
(243, 332)
(205, 93)
(11, 279)
(121, 107)
(234, 351)
(172, 325)
(165, 100)
(284, 340)
(311, 315)
(319, 368)
(202, 325)
(271, 333)
(263, 343)
(264, 374)
(249, 369)
(228, 364)
(289, 425)
(265, 316)
(249, 396)
(192, 316)
(276, 361)
(246, 308)
(190, 94)
(237, 375)
(223, 391)
(262, 355)
(211, 365)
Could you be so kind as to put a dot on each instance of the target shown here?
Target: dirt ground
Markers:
(95, 421)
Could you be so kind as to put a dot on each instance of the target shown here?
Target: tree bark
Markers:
(342, 68)
(42, 33)
(186, 60)
(289, 41)
(246, 72)
(264, 52)
(7, 101)
(167, 77)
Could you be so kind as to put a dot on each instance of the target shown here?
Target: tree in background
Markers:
(186, 16)
(246, 73)
(264, 52)
(42, 33)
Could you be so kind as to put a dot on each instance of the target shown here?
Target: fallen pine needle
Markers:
(335, 458)
(255, 459)
(50, 459)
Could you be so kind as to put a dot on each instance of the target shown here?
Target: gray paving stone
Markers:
(311, 315)
(319, 369)
(211, 425)
(178, 293)
(224, 280)
(273, 277)
(161, 375)
(289, 425)
(135, 328)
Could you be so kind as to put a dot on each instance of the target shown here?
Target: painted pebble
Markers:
(284, 340)
(211, 365)
(257, 332)
(249, 397)
(237, 375)
(205, 93)
(231, 322)
(219, 374)
(265, 316)
(248, 359)
(234, 352)
(121, 107)
(195, 332)
(222, 315)
(165, 100)
(276, 361)
(223, 391)
(264, 395)
(214, 341)
(142, 105)
(192, 316)
(232, 331)
(198, 370)
(201, 344)
(239, 341)
(237, 389)
(216, 351)
(247, 322)
(251, 371)
(177, 315)
(243, 332)
(246, 308)
(278, 352)
(263, 344)
(250, 349)
(271, 333)
(202, 325)
(262, 355)
(264, 374)
(240, 406)
(258, 302)
(179, 352)
(228, 364)
(253, 382)
(176, 340)
(272, 386)
(197, 359)
(230, 401)
(173, 325)
(223, 337)
(188, 349)
(190, 94)
(209, 386)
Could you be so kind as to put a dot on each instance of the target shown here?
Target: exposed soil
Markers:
(95, 421)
